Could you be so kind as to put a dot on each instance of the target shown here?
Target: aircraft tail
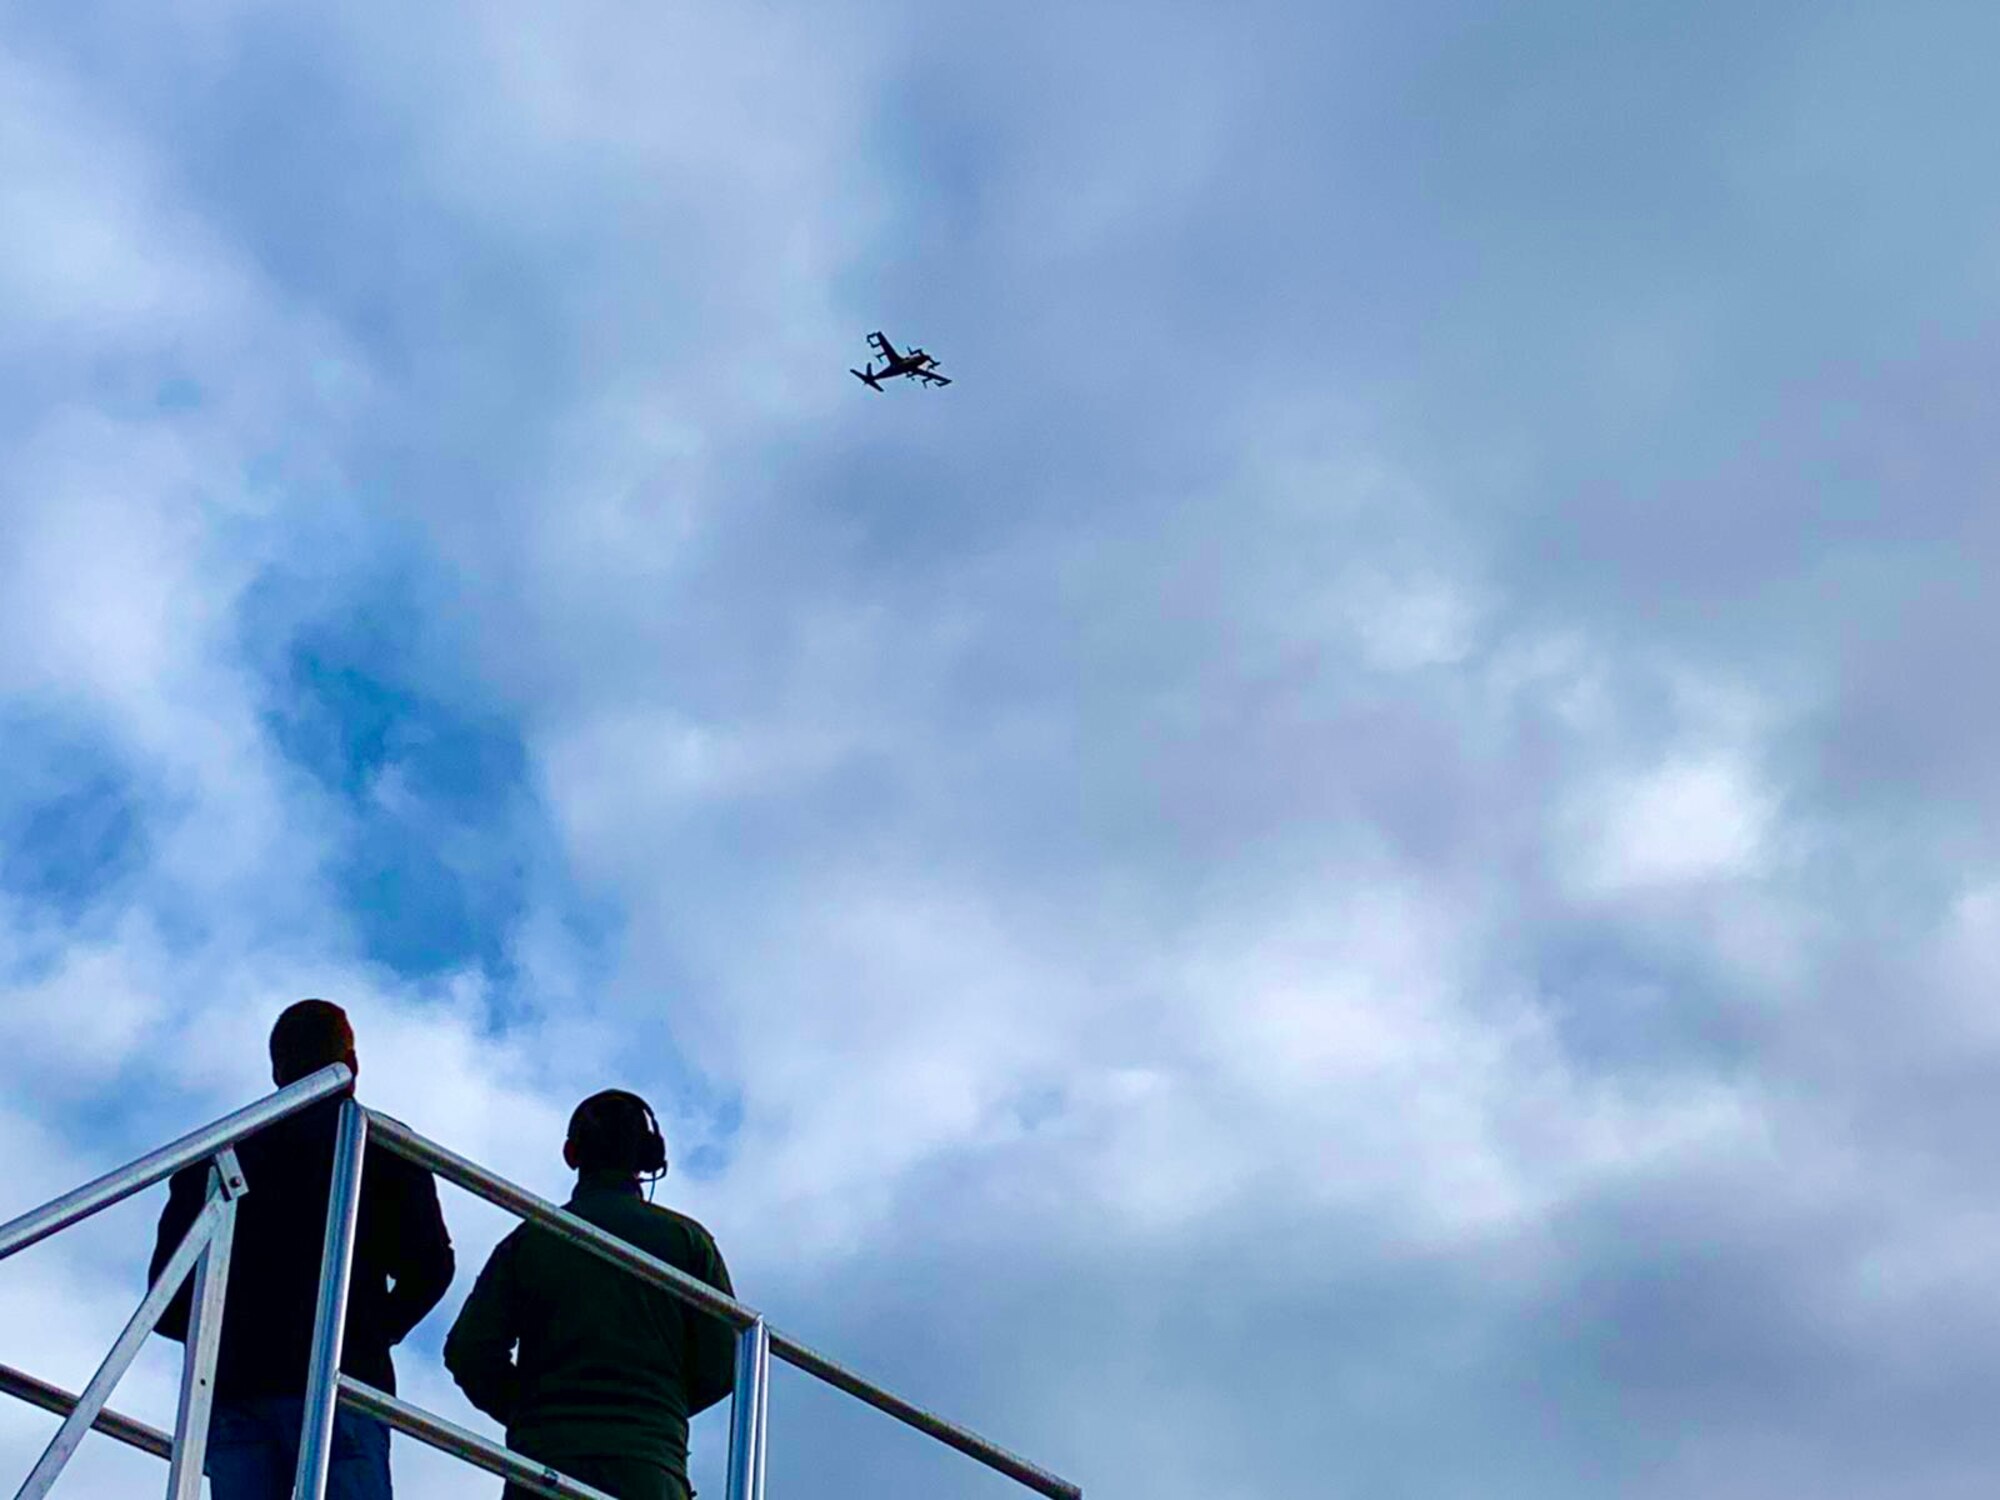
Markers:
(869, 379)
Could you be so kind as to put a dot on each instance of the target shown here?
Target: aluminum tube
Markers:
(450, 1438)
(750, 1413)
(128, 1430)
(336, 1272)
(204, 1335)
(967, 1442)
(405, 1142)
(156, 1166)
(80, 1420)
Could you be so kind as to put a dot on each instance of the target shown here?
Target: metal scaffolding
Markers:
(204, 1254)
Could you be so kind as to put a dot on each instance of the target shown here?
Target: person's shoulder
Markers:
(671, 1224)
(521, 1234)
(191, 1179)
(273, 1156)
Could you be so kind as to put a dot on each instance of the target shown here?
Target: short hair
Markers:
(308, 1036)
(616, 1131)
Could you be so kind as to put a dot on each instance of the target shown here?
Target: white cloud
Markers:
(1689, 819)
(1365, 1068)
(86, 1019)
(1403, 624)
(1967, 966)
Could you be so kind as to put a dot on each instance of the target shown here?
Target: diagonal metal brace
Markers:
(196, 1241)
(226, 1188)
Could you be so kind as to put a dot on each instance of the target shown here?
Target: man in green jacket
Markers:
(593, 1371)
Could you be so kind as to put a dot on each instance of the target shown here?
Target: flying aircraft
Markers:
(916, 365)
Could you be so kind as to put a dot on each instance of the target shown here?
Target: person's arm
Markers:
(420, 1258)
(479, 1350)
(186, 1193)
(711, 1343)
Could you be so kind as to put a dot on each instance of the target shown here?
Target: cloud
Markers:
(1687, 820)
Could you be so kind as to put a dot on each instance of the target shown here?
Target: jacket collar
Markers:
(597, 1180)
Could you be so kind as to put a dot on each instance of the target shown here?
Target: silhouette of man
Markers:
(402, 1264)
(609, 1367)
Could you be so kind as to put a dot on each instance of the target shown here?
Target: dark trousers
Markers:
(620, 1478)
(253, 1451)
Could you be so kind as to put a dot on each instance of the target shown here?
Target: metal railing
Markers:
(205, 1250)
(203, 1253)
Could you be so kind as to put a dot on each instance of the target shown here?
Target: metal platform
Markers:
(204, 1254)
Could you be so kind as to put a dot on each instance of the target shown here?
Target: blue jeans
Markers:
(253, 1451)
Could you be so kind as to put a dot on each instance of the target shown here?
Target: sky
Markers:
(1367, 862)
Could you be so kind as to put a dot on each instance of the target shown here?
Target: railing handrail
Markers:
(495, 1189)
(129, 1430)
(156, 1166)
(449, 1437)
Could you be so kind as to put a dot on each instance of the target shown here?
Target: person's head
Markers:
(615, 1131)
(308, 1036)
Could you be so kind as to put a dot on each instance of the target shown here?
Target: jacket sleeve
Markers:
(420, 1258)
(479, 1350)
(186, 1193)
(711, 1351)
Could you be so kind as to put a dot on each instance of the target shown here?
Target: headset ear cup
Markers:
(651, 1149)
(656, 1144)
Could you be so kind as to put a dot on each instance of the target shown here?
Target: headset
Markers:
(617, 1128)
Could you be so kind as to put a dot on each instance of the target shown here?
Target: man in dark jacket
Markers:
(609, 1367)
(402, 1264)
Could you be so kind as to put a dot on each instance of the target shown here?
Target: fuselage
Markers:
(911, 362)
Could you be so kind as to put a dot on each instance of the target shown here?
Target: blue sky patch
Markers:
(71, 821)
(178, 394)
(442, 837)
(712, 1157)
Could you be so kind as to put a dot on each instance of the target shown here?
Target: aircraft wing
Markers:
(883, 347)
(931, 377)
